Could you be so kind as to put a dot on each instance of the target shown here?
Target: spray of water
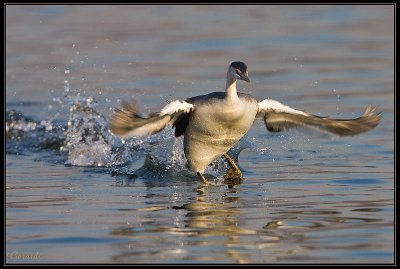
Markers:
(86, 141)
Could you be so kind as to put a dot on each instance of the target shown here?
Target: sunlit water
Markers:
(75, 193)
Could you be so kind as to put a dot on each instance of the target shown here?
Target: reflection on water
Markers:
(218, 220)
(143, 223)
(202, 224)
(77, 194)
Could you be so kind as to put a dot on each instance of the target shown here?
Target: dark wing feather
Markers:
(181, 124)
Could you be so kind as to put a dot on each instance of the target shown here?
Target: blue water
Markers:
(77, 194)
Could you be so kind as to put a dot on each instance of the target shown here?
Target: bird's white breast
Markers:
(215, 127)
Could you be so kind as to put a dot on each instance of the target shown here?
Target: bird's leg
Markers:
(233, 174)
(203, 179)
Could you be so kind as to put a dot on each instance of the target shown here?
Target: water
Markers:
(77, 194)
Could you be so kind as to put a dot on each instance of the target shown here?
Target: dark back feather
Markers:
(181, 124)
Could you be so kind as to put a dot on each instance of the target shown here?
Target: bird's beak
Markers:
(245, 77)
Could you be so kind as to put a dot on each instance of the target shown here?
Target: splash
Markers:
(90, 143)
(23, 133)
(86, 141)
(17, 125)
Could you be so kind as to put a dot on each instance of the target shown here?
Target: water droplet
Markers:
(67, 71)
(66, 86)
(89, 100)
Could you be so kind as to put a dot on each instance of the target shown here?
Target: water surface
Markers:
(77, 194)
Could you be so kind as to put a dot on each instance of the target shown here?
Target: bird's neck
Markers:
(231, 91)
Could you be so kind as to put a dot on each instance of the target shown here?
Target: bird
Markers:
(213, 123)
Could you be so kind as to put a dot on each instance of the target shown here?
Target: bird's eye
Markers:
(238, 71)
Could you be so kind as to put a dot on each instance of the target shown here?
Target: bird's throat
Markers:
(231, 91)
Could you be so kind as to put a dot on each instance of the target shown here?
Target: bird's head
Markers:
(238, 70)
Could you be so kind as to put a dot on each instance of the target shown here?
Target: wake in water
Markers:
(87, 141)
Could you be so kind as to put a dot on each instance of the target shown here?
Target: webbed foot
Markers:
(233, 176)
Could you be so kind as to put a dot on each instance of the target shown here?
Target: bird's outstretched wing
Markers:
(127, 122)
(279, 117)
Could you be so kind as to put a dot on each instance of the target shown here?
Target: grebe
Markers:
(213, 123)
